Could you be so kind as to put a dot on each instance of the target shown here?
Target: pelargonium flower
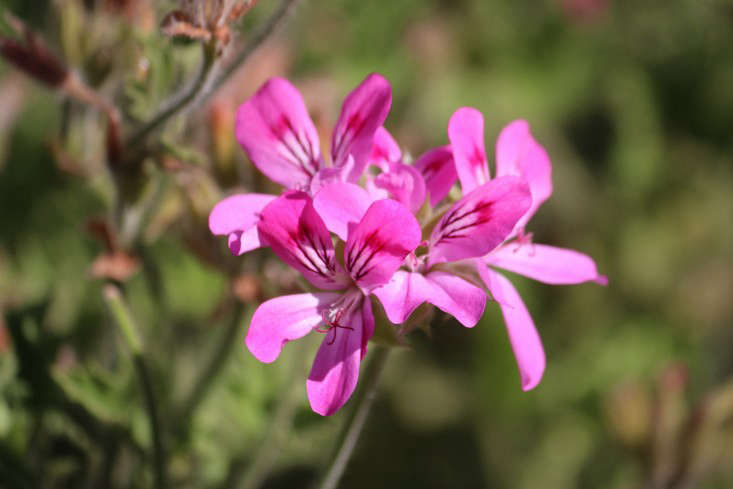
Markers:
(279, 137)
(517, 153)
(375, 247)
(471, 228)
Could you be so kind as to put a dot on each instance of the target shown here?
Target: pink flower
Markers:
(279, 137)
(375, 248)
(471, 228)
(517, 153)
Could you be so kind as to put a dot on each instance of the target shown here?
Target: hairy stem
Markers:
(357, 418)
(127, 325)
(180, 100)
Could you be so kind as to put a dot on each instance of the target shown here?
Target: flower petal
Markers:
(439, 171)
(453, 295)
(242, 242)
(480, 221)
(336, 367)
(404, 183)
(548, 264)
(466, 134)
(364, 110)
(384, 149)
(283, 319)
(237, 214)
(275, 130)
(459, 298)
(403, 294)
(331, 174)
(379, 243)
(341, 206)
(523, 335)
(299, 237)
(517, 153)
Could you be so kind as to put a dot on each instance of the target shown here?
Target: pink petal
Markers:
(466, 134)
(403, 294)
(279, 137)
(341, 206)
(480, 221)
(548, 264)
(404, 183)
(439, 171)
(283, 319)
(242, 242)
(331, 174)
(453, 295)
(523, 335)
(379, 243)
(384, 149)
(459, 298)
(234, 216)
(336, 367)
(364, 110)
(517, 153)
(299, 237)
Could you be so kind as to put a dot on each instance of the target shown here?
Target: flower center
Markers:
(338, 314)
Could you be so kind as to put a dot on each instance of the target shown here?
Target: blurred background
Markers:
(633, 102)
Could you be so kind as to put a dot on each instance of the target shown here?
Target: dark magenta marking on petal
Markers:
(375, 245)
(482, 213)
(282, 127)
(353, 126)
(435, 166)
(478, 157)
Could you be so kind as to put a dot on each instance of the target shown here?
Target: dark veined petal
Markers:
(480, 221)
(439, 171)
(299, 237)
(277, 133)
(363, 112)
(378, 245)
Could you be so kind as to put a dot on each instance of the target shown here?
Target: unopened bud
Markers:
(32, 56)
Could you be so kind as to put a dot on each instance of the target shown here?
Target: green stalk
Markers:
(357, 418)
(129, 329)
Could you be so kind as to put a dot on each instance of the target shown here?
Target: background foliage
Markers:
(634, 104)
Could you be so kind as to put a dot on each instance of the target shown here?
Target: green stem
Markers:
(179, 101)
(158, 453)
(357, 418)
(128, 327)
(123, 318)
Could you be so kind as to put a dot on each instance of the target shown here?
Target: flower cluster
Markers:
(369, 223)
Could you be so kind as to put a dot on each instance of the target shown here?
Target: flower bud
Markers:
(32, 56)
